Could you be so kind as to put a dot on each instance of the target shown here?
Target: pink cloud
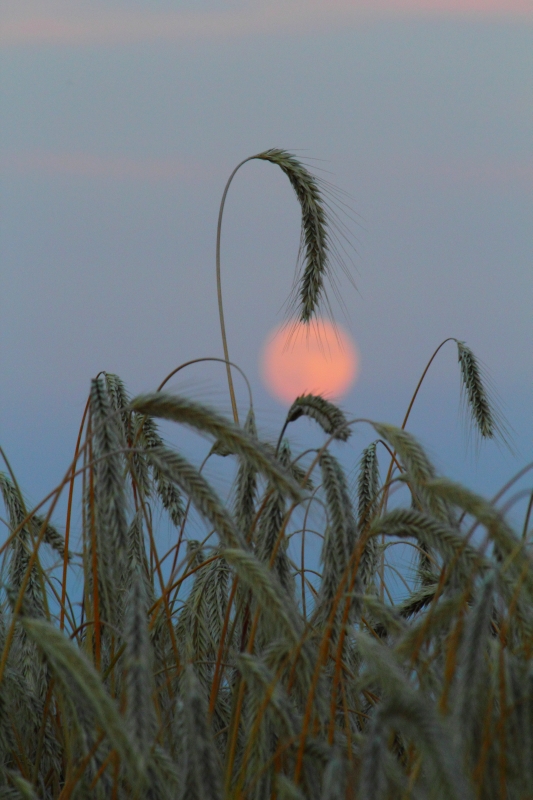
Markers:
(62, 23)
(87, 165)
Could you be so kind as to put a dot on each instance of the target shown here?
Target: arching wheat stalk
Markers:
(313, 248)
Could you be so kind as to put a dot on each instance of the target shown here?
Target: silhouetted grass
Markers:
(264, 679)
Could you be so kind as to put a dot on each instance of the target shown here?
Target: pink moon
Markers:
(320, 358)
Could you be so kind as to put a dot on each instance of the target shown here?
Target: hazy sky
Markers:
(120, 122)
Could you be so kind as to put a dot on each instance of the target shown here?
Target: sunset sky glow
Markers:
(71, 23)
(299, 359)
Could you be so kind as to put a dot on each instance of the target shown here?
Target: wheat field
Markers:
(234, 666)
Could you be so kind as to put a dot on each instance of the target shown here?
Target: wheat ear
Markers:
(367, 506)
(314, 229)
(206, 420)
(475, 393)
(271, 540)
(341, 533)
(246, 484)
(436, 536)
(110, 498)
(148, 436)
(178, 470)
(330, 418)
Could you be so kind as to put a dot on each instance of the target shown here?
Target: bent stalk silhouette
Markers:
(314, 251)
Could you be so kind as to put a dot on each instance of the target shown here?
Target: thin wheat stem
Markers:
(69, 516)
(203, 360)
(505, 488)
(410, 406)
(352, 569)
(302, 556)
(420, 382)
(527, 517)
(219, 291)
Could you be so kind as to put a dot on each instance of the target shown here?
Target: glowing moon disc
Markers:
(319, 358)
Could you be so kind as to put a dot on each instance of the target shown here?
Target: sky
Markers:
(119, 125)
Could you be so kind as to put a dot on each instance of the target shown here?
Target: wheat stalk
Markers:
(314, 243)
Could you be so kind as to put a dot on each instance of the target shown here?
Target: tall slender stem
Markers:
(405, 419)
(391, 465)
(219, 292)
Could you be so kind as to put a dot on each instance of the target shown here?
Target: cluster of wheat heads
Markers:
(227, 667)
